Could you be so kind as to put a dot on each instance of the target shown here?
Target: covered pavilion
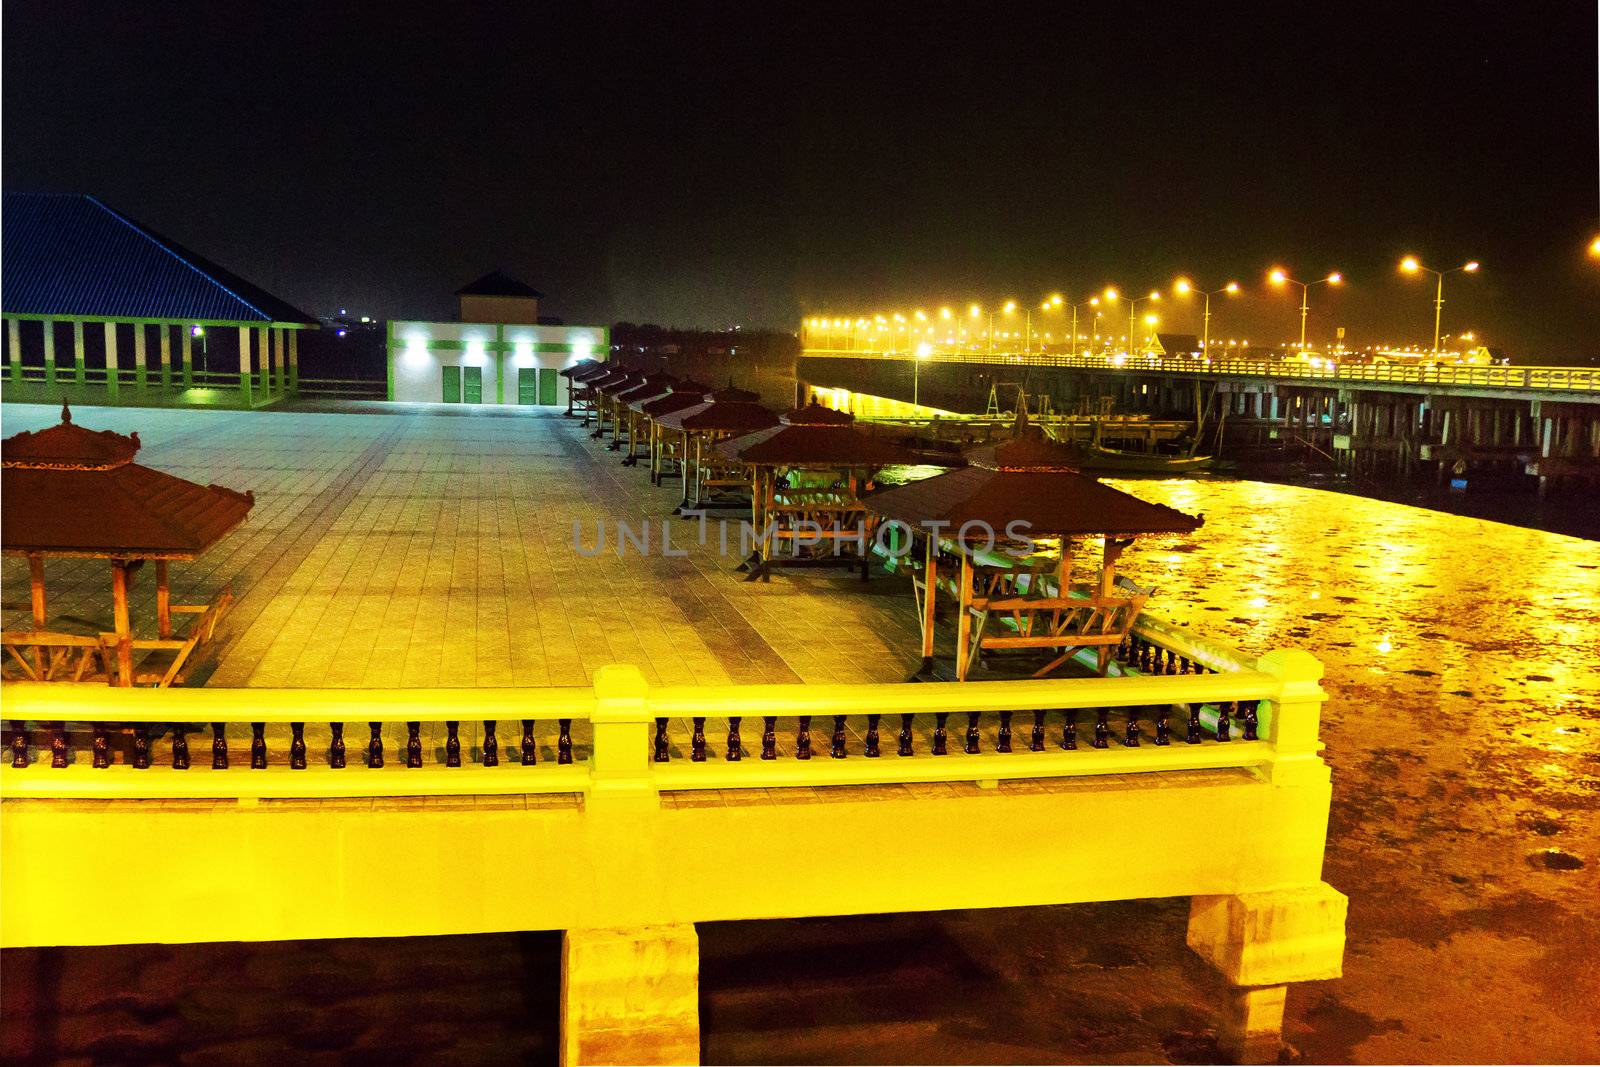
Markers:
(999, 536)
(71, 492)
(655, 385)
(72, 265)
(601, 389)
(571, 375)
(663, 445)
(709, 478)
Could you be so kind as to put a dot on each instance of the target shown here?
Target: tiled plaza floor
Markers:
(419, 550)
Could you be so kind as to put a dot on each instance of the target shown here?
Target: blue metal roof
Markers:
(68, 255)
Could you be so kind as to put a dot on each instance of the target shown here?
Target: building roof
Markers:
(71, 255)
(68, 491)
(1047, 503)
(1176, 344)
(499, 283)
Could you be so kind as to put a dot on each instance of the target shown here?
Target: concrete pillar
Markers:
(79, 361)
(294, 361)
(113, 370)
(186, 355)
(165, 334)
(14, 348)
(1260, 942)
(245, 384)
(630, 996)
(49, 351)
(139, 372)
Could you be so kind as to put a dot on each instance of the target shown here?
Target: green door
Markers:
(547, 385)
(527, 385)
(452, 385)
(472, 385)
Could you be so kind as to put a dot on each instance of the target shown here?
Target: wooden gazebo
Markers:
(604, 391)
(1008, 525)
(806, 475)
(661, 446)
(76, 493)
(710, 478)
(572, 375)
(587, 382)
(629, 421)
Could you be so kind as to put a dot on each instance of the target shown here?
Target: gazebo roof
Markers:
(578, 368)
(1028, 450)
(814, 436)
(654, 385)
(615, 376)
(727, 410)
(68, 491)
(1051, 502)
(685, 394)
(587, 374)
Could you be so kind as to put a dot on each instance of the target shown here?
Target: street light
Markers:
(1108, 294)
(1183, 287)
(1411, 265)
(1154, 297)
(1279, 276)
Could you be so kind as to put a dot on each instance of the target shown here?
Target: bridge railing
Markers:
(1172, 702)
(1578, 379)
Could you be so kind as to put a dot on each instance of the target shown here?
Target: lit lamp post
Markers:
(1410, 265)
(1093, 302)
(1279, 276)
(1010, 308)
(1154, 297)
(1183, 287)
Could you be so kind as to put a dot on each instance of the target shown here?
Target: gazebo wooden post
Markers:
(699, 445)
(964, 618)
(36, 588)
(1108, 582)
(683, 466)
(930, 588)
(119, 601)
(163, 601)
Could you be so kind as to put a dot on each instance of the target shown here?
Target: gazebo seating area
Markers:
(69, 492)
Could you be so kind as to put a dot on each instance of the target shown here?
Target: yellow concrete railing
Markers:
(630, 737)
(1565, 379)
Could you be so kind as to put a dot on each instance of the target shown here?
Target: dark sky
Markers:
(750, 162)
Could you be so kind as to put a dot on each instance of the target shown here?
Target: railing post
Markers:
(620, 769)
(1292, 719)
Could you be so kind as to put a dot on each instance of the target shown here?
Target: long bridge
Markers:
(623, 814)
(1543, 422)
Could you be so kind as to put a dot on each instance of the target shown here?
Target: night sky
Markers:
(748, 163)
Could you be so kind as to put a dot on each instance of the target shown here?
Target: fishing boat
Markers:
(1098, 459)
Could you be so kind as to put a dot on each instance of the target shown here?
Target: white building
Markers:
(497, 353)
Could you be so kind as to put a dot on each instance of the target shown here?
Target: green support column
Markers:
(79, 362)
(166, 355)
(14, 348)
(186, 356)
(139, 370)
(113, 370)
(49, 352)
(500, 355)
(294, 361)
(245, 371)
(389, 370)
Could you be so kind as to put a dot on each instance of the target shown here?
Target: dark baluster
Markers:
(872, 735)
(1102, 727)
(58, 745)
(180, 747)
(1172, 662)
(297, 746)
(661, 754)
(102, 746)
(769, 737)
(1003, 743)
(1125, 649)
(905, 734)
(1069, 730)
(697, 740)
(1193, 733)
(19, 744)
(1144, 657)
(735, 743)
(802, 740)
(258, 746)
(1163, 727)
(563, 741)
(939, 719)
(1251, 722)
(530, 750)
(1184, 666)
(336, 746)
(971, 746)
(141, 746)
(219, 746)
(1036, 738)
(1130, 736)
(452, 743)
(413, 744)
(836, 749)
(491, 744)
(1225, 721)
(375, 745)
